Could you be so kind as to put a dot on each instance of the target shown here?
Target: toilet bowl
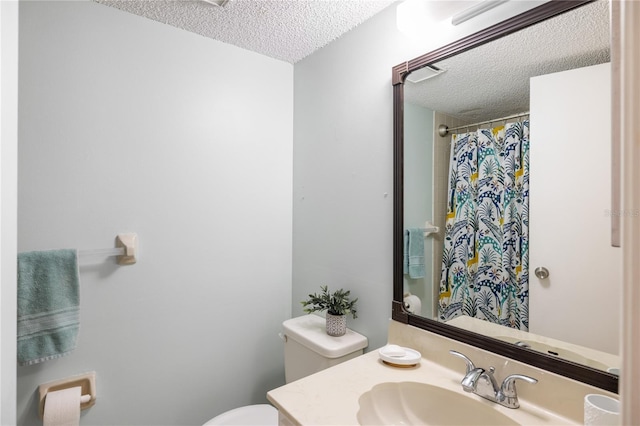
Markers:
(253, 415)
(307, 350)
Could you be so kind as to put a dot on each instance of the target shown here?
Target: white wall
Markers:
(343, 182)
(8, 204)
(343, 162)
(127, 124)
(120, 94)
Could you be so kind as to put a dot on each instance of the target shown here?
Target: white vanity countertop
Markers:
(330, 397)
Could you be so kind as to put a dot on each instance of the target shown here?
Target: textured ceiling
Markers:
(288, 30)
(492, 81)
(485, 83)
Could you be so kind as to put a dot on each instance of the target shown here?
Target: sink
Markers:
(413, 403)
(556, 351)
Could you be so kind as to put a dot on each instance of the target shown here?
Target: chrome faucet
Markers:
(483, 383)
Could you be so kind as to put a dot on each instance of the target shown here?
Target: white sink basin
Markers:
(413, 403)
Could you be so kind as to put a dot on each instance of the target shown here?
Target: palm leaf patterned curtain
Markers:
(485, 264)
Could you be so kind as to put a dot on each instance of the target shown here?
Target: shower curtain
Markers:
(485, 263)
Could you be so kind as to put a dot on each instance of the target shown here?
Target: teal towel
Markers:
(414, 253)
(48, 305)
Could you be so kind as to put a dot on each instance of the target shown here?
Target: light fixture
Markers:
(424, 73)
(220, 3)
(475, 10)
(423, 20)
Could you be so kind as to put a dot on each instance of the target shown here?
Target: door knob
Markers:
(542, 272)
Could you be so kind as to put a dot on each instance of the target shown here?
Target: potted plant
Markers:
(337, 305)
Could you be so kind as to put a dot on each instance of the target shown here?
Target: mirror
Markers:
(510, 79)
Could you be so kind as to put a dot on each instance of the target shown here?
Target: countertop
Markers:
(330, 397)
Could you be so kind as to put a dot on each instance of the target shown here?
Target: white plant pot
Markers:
(336, 325)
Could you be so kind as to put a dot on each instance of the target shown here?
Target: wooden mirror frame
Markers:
(579, 372)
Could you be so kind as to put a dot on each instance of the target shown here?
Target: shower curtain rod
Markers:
(443, 129)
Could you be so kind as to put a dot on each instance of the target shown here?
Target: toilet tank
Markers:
(308, 348)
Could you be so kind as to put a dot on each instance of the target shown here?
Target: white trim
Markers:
(8, 206)
(626, 15)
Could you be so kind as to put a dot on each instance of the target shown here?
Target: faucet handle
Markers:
(508, 387)
(470, 365)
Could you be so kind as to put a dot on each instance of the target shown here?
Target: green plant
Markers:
(336, 303)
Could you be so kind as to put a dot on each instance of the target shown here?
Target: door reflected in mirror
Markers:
(507, 169)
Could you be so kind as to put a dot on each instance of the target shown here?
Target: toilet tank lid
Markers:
(310, 331)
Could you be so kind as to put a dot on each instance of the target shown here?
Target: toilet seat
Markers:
(254, 415)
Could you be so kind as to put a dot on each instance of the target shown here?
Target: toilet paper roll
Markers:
(62, 407)
(601, 410)
(413, 304)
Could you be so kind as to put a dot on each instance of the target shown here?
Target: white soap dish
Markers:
(398, 356)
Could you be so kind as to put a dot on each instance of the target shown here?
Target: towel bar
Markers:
(126, 250)
(430, 228)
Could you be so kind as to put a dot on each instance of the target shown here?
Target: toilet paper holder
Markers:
(86, 381)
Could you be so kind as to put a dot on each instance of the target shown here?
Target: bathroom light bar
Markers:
(220, 3)
(474, 11)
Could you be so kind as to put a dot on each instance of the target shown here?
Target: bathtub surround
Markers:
(127, 124)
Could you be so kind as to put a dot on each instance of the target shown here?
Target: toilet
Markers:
(307, 349)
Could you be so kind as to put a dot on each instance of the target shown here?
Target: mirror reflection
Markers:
(507, 171)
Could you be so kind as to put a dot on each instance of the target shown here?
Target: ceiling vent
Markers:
(424, 73)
